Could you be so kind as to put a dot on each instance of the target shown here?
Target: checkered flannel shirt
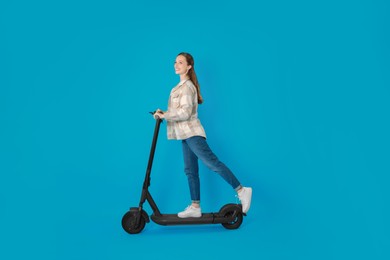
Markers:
(182, 115)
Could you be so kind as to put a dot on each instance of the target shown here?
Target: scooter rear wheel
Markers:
(228, 211)
(129, 222)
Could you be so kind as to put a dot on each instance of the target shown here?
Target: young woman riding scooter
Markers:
(183, 124)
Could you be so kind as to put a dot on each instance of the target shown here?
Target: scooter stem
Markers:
(152, 150)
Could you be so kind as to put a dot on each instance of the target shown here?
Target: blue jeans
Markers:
(196, 147)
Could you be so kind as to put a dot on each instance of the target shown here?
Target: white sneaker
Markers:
(190, 212)
(245, 196)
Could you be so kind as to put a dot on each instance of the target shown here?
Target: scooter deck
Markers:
(173, 219)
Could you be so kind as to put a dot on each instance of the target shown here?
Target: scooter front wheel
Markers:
(129, 222)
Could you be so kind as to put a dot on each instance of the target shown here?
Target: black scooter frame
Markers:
(133, 222)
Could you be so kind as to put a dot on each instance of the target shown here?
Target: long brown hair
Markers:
(192, 75)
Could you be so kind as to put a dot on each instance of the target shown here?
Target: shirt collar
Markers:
(182, 82)
(179, 85)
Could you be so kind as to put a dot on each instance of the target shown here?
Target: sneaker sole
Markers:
(189, 216)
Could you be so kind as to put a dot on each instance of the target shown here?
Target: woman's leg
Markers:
(201, 149)
(191, 169)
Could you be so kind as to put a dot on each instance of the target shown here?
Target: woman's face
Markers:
(181, 65)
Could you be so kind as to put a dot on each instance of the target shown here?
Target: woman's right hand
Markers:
(158, 114)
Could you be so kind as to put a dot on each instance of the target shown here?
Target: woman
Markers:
(183, 124)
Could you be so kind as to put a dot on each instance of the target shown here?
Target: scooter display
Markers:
(134, 220)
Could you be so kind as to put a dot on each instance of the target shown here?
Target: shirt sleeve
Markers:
(184, 110)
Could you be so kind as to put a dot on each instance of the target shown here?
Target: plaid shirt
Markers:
(182, 115)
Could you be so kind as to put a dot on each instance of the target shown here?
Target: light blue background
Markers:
(296, 104)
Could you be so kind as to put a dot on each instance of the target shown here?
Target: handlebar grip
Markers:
(152, 113)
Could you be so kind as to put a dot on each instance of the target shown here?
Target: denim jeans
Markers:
(196, 147)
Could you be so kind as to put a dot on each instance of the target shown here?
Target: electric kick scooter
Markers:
(133, 221)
